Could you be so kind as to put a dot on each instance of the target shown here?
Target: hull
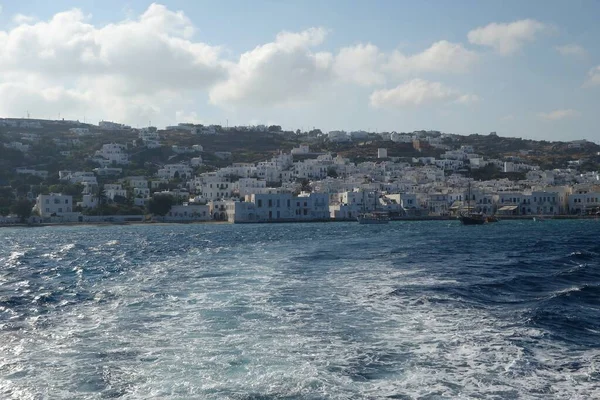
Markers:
(472, 220)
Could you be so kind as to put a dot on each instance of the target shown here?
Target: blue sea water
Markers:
(408, 310)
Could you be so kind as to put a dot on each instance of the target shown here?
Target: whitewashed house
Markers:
(113, 153)
(171, 171)
(54, 204)
(188, 213)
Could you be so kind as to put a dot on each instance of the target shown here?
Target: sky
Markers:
(526, 69)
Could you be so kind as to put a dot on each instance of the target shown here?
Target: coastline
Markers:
(409, 219)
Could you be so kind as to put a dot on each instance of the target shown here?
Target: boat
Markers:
(470, 218)
(473, 219)
(373, 218)
(492, 218)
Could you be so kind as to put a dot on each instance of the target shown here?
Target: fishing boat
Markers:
(373, 218)
(471, 218)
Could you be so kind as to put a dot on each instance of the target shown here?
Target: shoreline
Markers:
(409, 219)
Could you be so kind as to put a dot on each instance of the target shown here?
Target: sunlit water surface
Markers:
(409, 310)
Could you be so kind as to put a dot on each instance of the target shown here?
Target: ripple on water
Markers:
(311, 311)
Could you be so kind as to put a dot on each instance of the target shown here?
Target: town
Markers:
(71, 172)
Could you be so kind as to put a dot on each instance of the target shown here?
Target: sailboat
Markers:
(470, 218)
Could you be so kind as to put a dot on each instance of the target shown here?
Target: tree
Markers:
(160, 204)
(304, 185)
(22, 208)
(120, 200)
(332, 173)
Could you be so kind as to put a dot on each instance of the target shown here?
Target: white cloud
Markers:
(572, 50)
(277, 73)
(559, 114)
(508, 117)
(442, 56)
(416, 92)
(593, 77)
(23, 19)
(133, 70)
(366, 65)
(360, 64)
(468, 99)
(507, 38)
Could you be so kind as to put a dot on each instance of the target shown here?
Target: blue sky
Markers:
(525, 69)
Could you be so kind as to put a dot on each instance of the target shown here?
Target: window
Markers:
(47, 201)
(270, 203)
(260, 203)
(278, 205)
(288, 203)
(60, 209)
(47, 209)
(66, 201)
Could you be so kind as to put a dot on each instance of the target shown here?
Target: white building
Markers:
(182, 149)
(108, 171)
(171, 171)
(54, 204)
(30, 137)
(114, 153)
(583, 202)
(382, 153)
(112, 126)
(247, 186)
(111, 190)
(240, 211)
(89, 201)
(401, 138)
(28, 171)
(24, 148)
(302, 149)
(137, 181)
(78, 177)
(310, 169)
(80, 131)
(188, 213)
(215, 188)
(285, 207)
(196, 161)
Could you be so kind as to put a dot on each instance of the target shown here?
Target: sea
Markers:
(407, 310)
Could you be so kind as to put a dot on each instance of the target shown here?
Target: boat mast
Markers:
(469, 199)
